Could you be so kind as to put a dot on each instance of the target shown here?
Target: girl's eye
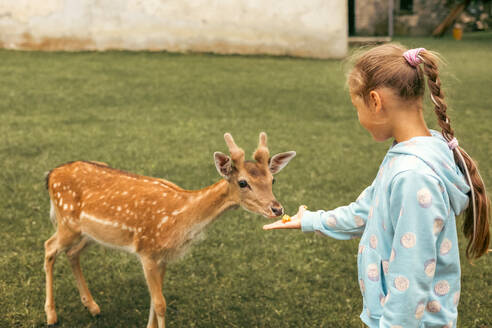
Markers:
(273, 181)
(242, 183)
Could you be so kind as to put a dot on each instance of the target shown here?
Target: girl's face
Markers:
(372, 117)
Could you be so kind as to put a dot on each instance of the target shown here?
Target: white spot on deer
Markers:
(155, 182)
(58, 194)
(181, 210)
(124, 193)
(145, 180)
(118, 208)
(78, 204)
(164, 194)
(139, 229)
(154, 202)
(60, 203)
(163, 220)
(102, 197)
(116, 224)
(71, 207)
(86, 216)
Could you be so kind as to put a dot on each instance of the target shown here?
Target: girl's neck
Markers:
(409, 122)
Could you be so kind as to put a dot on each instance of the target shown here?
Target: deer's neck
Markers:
(213, 200)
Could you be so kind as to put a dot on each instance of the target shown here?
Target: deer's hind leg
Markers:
(63, 239)
(73, 255)
(60, 241)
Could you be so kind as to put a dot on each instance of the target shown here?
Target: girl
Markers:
(408, 261)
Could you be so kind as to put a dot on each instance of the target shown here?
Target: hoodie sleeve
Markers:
(418, 211)
(343, 222)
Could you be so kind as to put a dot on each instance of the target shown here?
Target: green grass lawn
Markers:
(164, 115)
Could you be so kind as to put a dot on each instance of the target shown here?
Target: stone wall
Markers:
(307, 28)
(372, 17)
(426, 16)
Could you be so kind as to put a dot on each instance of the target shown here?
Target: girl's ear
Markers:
(279, 161)
(223, 163)
(375, 101)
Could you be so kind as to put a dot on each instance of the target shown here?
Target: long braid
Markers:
(476, 225)
(437, 95)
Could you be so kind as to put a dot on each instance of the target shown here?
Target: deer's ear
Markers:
(279, 161)
(223, 163)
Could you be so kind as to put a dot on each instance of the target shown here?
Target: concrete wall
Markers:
(307, 28)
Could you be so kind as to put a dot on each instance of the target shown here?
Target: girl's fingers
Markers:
(301, 210)
(293, 224)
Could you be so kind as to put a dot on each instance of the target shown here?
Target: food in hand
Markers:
(286, 218)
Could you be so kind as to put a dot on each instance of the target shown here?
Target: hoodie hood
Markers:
(434, 151)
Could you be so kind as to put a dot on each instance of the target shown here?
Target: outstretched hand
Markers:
(294, 223)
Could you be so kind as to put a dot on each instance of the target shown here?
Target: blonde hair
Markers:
(385, 66)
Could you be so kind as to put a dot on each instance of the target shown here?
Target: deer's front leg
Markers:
(152, 323)
(153, 277)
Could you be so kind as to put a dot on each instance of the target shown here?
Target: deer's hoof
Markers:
(51, 320)
(94, 309)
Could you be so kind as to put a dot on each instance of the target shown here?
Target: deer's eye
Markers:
(242, 183)
(273, 181)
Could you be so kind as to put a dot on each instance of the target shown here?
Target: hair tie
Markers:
(453, 143)
(412, 56)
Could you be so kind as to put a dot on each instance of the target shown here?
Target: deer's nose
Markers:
(277, 210)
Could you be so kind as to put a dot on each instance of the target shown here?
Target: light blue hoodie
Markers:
(408, 261)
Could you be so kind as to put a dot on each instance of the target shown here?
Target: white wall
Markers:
(306, 28)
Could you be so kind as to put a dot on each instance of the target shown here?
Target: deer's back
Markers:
(114, 207)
